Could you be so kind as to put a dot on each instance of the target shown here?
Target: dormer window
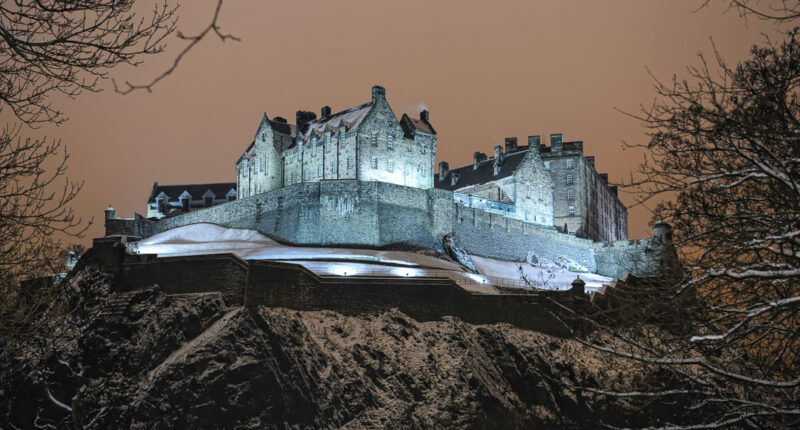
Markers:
(453, 179)
(497, 168)
(185, 203)
(208, 201)
(162, 206)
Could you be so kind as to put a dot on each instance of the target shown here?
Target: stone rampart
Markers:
(361, 213)
(341, 212)
(492, 235)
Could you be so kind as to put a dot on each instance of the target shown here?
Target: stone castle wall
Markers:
(336, 213)
(495, 236)
(350, 212)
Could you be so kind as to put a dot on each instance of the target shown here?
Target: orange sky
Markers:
(485, 70)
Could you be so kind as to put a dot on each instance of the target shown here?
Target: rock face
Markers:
(458, 253)
(154, 361)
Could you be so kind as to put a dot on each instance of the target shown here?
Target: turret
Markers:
(662, 232)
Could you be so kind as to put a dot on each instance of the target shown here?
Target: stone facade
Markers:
(549, 186)
(365, 142)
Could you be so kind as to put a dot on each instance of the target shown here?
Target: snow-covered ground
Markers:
(200, 239)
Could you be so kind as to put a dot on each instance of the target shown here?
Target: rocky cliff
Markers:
(147, 360)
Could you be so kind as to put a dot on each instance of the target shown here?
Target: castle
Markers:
(362, 177)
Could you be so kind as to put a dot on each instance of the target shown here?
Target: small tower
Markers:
(662, 232)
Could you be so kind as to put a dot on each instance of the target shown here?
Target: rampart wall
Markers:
(492, 235)
(336, 213)
(361, 213)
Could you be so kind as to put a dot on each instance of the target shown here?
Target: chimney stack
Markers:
(511, 145)
(325, 112)
(425, 116)
(443, 169)
(378, 92)
(604, 177)
(534, 142)
(498, 154)
(590, 159)
(556, 142)
(477, 157)
(280, 119)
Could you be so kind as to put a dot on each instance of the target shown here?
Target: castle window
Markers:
(264, 163)
(390, 141)
(527, 191)
(570, 164)
(374, 138)
(208, 201)
(244, 191)
(294, 178)
(349, 163)
(258, 164)
(373, 163)
(547, 165)
(319, 171)
(570, 195)
(306, 175)
(389, 166)
(570, 179)
(571, 210)
(541, 194)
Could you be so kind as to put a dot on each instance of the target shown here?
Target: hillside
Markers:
(147, 360)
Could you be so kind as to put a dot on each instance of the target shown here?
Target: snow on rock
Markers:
(550, 278)
(204, 238)
(458, 252)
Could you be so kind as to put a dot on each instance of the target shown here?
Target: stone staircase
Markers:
(117, 307)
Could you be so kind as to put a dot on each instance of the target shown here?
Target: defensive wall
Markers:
(276, 284)
(361, 213)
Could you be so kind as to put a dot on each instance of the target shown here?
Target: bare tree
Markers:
(723, 160)
(49, 47)
(35, 198)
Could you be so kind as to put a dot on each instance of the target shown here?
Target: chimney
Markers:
(279, 119)
(556, 142)
(614, 190)
(425, 116)
(443, 169)
(498, 154)
(378, 92)
(303, 118)
(477, 157)
(534, 142)
(604, 178)
(590, 160)
(325, 112)
(511, 145)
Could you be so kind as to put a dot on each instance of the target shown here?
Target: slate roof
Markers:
(468, 176)
(352, 118)
(220, 190)
(410, 125)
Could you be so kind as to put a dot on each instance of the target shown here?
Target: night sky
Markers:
(485, 71)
